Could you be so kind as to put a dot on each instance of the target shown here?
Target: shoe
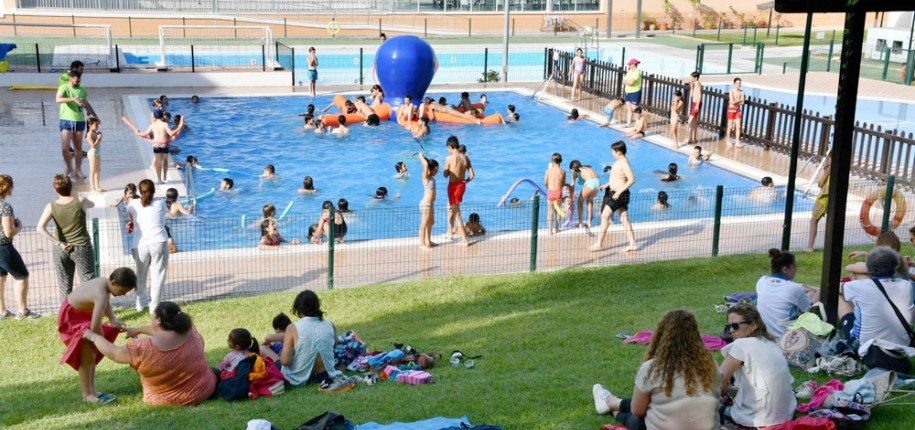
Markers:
(601, 397)
(5, 315)
(104, 399)
(27, 315)
(341, 383)
(805, 390)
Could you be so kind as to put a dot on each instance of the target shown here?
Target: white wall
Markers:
(158, 79)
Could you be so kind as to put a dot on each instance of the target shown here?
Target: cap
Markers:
(633, 61)
(157, 113)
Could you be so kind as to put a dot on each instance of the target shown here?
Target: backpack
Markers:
(327, 421)
(799, 347)
(847, 415)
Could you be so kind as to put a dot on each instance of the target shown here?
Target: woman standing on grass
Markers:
(676, 387)
(10, 261)
(171, 362)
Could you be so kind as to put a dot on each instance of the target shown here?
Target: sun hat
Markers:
(634, 61)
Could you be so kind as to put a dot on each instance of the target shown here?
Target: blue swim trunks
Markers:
(312, 75)
(634, 98)
(72, 125)
(609, 113)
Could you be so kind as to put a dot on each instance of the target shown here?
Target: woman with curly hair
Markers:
(764, 396)
(676, 384)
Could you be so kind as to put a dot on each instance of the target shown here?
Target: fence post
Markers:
(754, 34)
(535, 225)
(730, 56)
(513, 27)
(38, 58)
(285, 32)
(716, 236)
(426, 28)
(829, 58)
(264, 58)
(361, 73)
(379, 25)
(469, 27)
(485, 63)
(129, 27)
(723, 126)
(770, 129)
(95, 247)
(192, 59)
(887, 202)
(622, 63)
(293, 66)
(718, 38)
(825, 135)
(117, 59)
(761, 53)
(784, 67)
(886, 63)
(745, 29)
(332, 226)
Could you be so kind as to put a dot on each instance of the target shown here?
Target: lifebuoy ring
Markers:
(333, 27)
(865, 216)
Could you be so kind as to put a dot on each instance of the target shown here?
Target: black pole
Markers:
(293, 66)
(846, 102)
(37, 57)
(361, 74)
(796, 139)
(192, 59)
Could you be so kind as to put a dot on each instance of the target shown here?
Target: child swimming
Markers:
(323, 229)
(176, 210)
(662, 201)
(671, 175)
(401, 169)
(308, 186)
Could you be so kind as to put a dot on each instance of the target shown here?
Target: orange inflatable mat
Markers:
(383, 112)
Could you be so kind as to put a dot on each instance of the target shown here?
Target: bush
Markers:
(490, 76)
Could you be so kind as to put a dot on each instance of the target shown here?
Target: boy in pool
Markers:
(465, 105)
(342, 130)
(195, 99)
(641, 123)
(269, 172)
(226, 184)
(162, 136)
(554, 179)
(610, 110)
(512, 115)
(473, 226)
(574, 116)
(401, 169)
(766, 193)
(371, 118)
(319, 127)
(671, 175)
(697, 156)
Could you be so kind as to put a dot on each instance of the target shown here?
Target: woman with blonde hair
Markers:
(764, 395)
(676, 386)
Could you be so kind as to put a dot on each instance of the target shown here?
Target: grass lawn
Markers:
(784, 38)
(545, 339)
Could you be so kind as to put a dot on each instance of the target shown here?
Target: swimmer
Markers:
(349, 107)
(371, 118)
(377, 95)
(421, 128)
(407, 111)
(443, 106)
(343, 206)
(698, 157)
(309, 110)
(662, 201)
(323, 229)
(512, 115)
(190, 162)
(401, 169)
(483, 99)
(671, 174)
(308, 186)
(575, 116)
(514, 202)
(766, 193)
(381, 193)
(342, 130)
(641, 124)
(610, 109)
(130, 193)
(226, 184)
(176, 210)
(465, 105)
(195, 99)
(553, 180)
(271, 237)
(164, 100)
(269, 172)
(319, 127)
(309, 122)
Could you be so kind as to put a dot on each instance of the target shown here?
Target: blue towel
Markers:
(4, 48)
(430, 424)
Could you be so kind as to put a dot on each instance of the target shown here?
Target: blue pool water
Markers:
(888, 115)
(244, 134)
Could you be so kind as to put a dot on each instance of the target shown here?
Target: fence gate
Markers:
(724, 59)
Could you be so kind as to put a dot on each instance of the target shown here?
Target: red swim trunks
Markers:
(71, 323)
(694, 108)
(553, 195)
(733, 112)
(456, 192)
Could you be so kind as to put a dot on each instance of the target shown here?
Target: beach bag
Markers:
(348, 347)
(845, 414)
(799, 347)
(327, 421)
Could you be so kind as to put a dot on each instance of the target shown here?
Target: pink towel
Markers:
(820, 394)
(712, 343)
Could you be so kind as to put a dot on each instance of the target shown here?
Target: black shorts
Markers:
(160, 150)
(620, 205)
(11, 262)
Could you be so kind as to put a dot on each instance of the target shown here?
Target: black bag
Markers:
(327, 421)
(886, 359)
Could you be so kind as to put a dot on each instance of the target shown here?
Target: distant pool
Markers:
(243, 134)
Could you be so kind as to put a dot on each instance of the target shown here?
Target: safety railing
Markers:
(220, 256)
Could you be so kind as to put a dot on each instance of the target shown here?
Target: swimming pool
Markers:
(243, 134)
(886, 114)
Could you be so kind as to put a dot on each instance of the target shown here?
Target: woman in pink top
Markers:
(171, 361)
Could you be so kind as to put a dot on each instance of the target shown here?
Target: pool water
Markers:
(244, 134)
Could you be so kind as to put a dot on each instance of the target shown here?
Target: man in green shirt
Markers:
(72, 99)
(633, 89)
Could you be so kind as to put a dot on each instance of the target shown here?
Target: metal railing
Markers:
(878, 153)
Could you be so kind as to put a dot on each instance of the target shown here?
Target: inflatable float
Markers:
(203, 196)
(383, 112)
(32, 88)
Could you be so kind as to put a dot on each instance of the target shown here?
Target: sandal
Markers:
(6, 314)
(103, 399)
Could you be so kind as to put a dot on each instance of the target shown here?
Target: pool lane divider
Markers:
(203, 196)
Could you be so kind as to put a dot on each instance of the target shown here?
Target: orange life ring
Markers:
(865, 216)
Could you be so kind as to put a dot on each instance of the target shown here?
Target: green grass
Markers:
(545, 339)
(784, 38)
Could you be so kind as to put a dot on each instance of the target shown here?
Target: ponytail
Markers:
(780, 260)
(170, 316)
(243, 340)
(147, 191)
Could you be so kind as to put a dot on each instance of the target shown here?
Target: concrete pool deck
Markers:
(32, 156)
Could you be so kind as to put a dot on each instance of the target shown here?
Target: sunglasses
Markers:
(736, 326)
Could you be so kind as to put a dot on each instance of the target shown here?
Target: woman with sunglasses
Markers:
(761, 378)
(676, 385)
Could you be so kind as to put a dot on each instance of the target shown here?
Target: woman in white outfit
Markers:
(150, 243)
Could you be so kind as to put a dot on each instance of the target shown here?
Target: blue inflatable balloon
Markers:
(405, 65)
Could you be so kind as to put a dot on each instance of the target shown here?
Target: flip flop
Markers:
(104, 399)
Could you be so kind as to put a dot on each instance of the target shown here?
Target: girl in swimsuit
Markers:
(590, 182)
(377, 96)
(308, 186)
(270, 236)
(427, 204)
(578, 73)
(130, 193)
(95, 154)
(340, 228)
(676, 106)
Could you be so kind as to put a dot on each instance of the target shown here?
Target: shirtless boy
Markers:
(342, 129)
(459, 172)
(616, 197)
(610, 109)
(162, 135)
(695, 107)
(553, 180)
(697, 156)
(736, 100)
(638, 130)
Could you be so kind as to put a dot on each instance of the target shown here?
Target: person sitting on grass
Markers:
(675, 387)
(82, 311)
(780, 298)
(274, 340)
(171, 361)
(887, 238)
